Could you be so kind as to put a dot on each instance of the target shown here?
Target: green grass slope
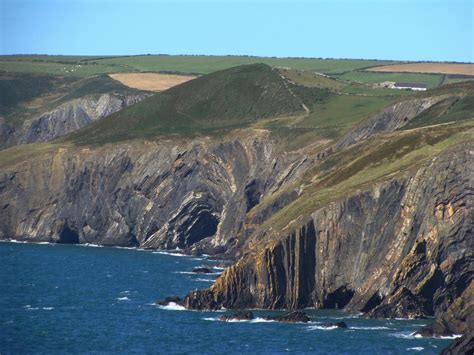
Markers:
(225, 99)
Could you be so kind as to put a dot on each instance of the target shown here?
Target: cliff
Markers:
(41, 107)
(155, 195)
(401, 248)
(64, 119)
(376, 218)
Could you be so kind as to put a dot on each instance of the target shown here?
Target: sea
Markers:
(59, 299)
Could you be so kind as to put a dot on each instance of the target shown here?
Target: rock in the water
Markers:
(463, 345)
(168, 300)
(202, 270)
(404, 304)
(240, 315)
(457, 319)
(291, 317)
(341, 325)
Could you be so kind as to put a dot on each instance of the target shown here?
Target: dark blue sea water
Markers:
(61, 298)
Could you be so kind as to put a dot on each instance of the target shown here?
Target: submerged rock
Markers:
(291, 317)
(171, 299)
(240, 315)
(202, 270)
(341, 325)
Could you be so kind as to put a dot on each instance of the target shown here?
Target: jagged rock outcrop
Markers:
(461, 346)
(240, 315)
(401, 248)
(291, 317)
(457, 319)
(66, 118)
(153, 195)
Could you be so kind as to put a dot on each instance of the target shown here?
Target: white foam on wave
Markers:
(125, 298)
(205, 280)
(454, 336)
(370, 328)
(406, 335)
(262, 320)
(218, 268)
(322, 327)
(417, 348)
(169, 253)
(255, 320)
(91, 245)
(184, 272)
(30, 308)
(172, 306)
(176, 254)
(419, 336)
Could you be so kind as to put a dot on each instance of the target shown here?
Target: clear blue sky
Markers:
(382, 29)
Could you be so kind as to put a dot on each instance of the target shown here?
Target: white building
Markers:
(410, 86)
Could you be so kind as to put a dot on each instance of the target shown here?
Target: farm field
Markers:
(437, 68)
(362, 71)
(151, 81)
(363, 76)
(83, 65)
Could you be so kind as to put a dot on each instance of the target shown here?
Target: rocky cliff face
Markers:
(66, 118)
(154, 195)
(403, 248)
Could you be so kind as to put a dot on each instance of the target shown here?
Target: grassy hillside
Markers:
(225, 99)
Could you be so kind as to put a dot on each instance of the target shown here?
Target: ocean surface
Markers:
(77, 299)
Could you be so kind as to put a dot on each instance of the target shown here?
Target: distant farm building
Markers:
(410, 86)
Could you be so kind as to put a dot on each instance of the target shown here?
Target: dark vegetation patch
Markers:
(16, 89)
(25, 95)
(99, 84)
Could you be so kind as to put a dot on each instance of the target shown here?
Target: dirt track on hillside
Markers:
(151, 81)
(439, 68)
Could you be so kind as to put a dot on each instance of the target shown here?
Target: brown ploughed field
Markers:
(439, 68)
(151, 81)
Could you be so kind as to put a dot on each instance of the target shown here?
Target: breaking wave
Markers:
(172, 307)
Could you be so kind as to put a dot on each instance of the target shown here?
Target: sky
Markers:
(370, 29)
